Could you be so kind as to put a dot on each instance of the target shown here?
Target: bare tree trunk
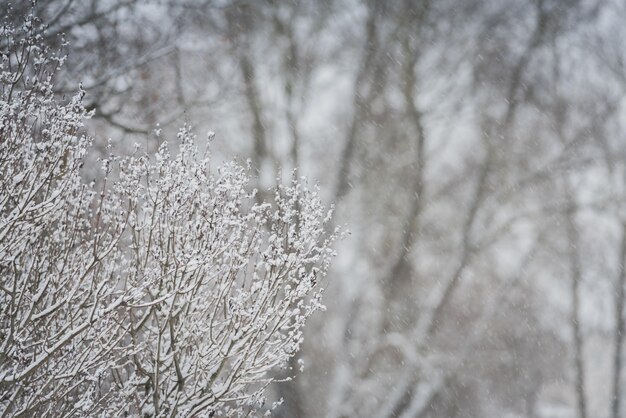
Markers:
(574, 258)
(360, 101)
(399, 281)
(518, 70)
(252, 96)
(619, 329)
(432, 321)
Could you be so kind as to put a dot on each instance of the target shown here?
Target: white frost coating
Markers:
(167, 292)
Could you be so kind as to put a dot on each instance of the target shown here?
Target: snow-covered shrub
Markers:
(160, 290)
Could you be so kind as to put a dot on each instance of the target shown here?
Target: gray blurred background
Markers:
(474, 148)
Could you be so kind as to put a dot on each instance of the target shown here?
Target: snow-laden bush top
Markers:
(163, 291)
